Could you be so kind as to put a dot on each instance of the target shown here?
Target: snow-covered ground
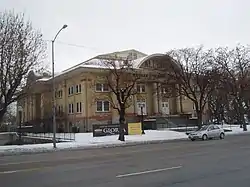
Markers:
(235, 129)
(86, 140)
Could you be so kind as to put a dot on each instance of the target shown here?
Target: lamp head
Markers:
(64, 26)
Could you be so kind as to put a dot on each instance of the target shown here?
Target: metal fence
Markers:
(35, 131)
(59, 136)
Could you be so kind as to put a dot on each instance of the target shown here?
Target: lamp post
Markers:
(142, 123)
(53, 88)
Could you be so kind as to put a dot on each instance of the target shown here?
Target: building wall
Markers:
(187, 105)
(41, 106)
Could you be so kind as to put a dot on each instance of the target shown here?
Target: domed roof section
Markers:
(138, 62)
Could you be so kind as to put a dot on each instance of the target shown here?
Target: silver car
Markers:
(207, 132)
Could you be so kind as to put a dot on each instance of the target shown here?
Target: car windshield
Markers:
(204, 128)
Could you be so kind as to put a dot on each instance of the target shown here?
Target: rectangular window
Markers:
(106, 106)
(98, 87)
(141, 88)
(60, 109)
(101, 87)
(79, 107)
(71, 90)
(105, 87)
(71, 108)
(59, 94)
(102, 106)
(78, 88)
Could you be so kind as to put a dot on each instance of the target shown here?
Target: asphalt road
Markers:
(175, 164)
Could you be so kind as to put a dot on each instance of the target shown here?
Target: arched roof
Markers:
(138, 62)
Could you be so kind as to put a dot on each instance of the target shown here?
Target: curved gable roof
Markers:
(138, 62)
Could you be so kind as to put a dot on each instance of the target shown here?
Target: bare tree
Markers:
(21, 50)
(121, 78)
(218, 102)
(236, 66)
(193, 71)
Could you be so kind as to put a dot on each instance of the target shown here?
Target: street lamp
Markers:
(53, 87)
(142, 121)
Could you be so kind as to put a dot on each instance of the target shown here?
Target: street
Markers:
(174, 164)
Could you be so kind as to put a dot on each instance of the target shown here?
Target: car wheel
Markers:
(193, 139)
(222, 135)
(204, 137)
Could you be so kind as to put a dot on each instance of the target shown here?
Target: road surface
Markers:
(174, 164)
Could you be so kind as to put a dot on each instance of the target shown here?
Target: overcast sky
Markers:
(150, 26)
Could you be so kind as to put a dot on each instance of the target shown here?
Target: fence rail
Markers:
(59, 136)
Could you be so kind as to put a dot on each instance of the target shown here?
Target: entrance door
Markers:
(165, 108)
(144, 109)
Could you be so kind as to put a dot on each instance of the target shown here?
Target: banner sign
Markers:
(107, 129)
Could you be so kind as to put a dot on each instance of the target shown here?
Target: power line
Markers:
(74, 45)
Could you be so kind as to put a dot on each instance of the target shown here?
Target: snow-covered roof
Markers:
(43, 79)
(98, 63)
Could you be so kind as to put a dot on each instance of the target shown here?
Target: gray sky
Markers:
(149, 26)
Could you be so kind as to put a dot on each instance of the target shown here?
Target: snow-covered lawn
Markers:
(86, 140)
(235, 129)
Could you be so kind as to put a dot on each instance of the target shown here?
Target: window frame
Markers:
(102, 106)
(59, 94)
(79, 107)
(142, 88)
(78, 88)
(102, 86)
(70, 90)
(71, 108)
(60, 109)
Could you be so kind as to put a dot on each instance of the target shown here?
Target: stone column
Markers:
(156, 98)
